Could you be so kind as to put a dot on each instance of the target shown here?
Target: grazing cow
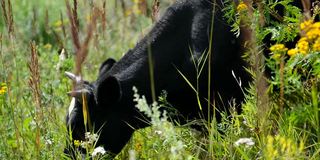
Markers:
(177, 42)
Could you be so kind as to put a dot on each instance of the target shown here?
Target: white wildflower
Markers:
(48, 142)
(91, 137)
(33, 124)
(246, 141)
(84, 144)
(98, 151)
(158, 132)
(161, 126)
(132, 155)
(176, 148)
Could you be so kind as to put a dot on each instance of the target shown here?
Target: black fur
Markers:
(184, 27)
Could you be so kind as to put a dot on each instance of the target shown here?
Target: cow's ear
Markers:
(108, 92)
(106, 65)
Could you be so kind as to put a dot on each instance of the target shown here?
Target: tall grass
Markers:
(34, 84)
(8, 15)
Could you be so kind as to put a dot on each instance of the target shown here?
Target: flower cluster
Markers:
(3, 88)
(47, 46)
(248, 142)
(98, 151)
(311, 35)
(306, 24)
(277, 50)
(91, 138)
(135, 9)
(89, 144)
(309, 41)
(242, 7)
(280, 146)
(303, 45)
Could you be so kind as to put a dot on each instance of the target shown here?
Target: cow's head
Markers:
(86, 93)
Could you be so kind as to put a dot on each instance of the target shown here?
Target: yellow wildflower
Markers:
(303, 39)
(47, 46)
(138, 147)
(57, 24)
(242, 7)
(313, 33)
(283, 143)
(136, 10)
(306, 25)
(316, 45)
(88, 17)
(316, 25)
(76, 143)
(301, 146)
(128, 12)
(276, 56)
(270, 148)
(278, 48)
(303, 46)
(3, 88)
(136, 7)
(292, 52)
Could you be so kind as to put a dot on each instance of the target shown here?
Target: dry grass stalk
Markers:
(8, 16)
(281, 105)
(61, 41)
(103, 20)
(46, 21)
(123, 7)
(81, 49)
(262, 18)
(1, 46)
(306, 9)
(58, 39)
(34, 84)
(63, 27)
(143, 6)
(34, 81)
(74, 28)
(34, 22)
(249, 37)
(75, 14)
(155, 11)
(104, 16)
(83, 52)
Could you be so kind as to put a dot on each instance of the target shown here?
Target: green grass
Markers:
(290, 127)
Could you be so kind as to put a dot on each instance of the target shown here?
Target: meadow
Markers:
(280, 120)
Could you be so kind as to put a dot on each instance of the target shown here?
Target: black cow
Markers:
(176, 42)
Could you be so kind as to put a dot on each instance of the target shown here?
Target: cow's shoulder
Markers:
(194, 5)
